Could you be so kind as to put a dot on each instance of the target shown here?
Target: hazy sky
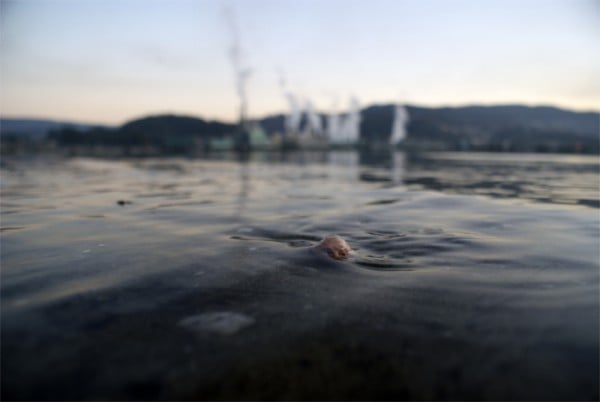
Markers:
(107, 61)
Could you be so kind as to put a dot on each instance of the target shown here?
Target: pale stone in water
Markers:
(335, 246)
(222, 322)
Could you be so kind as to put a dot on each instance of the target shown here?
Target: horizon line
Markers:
(279, 113)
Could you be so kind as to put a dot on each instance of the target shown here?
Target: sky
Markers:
(109, 61)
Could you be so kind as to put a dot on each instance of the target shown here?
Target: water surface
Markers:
(474, 276)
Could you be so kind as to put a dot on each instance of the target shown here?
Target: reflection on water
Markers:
(560, 179)
(383, 166)
(203, 282)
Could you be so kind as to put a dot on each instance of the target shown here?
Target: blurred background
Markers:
(153, 77)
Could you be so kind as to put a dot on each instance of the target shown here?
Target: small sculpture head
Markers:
(335, 246)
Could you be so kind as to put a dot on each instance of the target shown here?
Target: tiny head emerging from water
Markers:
(335, 246)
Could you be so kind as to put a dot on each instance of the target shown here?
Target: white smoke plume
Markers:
(315, 125)
(294, 116)
(353, 121)
(401, 119)
(345, 129)
(241, 71)
(333, 124)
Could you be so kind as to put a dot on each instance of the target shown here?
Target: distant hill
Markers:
(273, 124)
(35, 129)
(157, 126)
(154, 134)
(508, 127)
(504, 128)
(492, 128)
(172, 133)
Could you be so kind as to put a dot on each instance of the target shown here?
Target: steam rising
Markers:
(345, 129)
(401, 118)
(241, 71)
(333, 124)
(315, 125)
(340, 129)
(294, 117)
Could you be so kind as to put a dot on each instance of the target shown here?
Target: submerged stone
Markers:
(221, 322)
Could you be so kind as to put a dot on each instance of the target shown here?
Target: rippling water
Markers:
(473, 276)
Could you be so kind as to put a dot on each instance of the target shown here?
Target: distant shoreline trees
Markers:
(474, 128)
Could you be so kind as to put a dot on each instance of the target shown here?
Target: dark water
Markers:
(474, 276)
